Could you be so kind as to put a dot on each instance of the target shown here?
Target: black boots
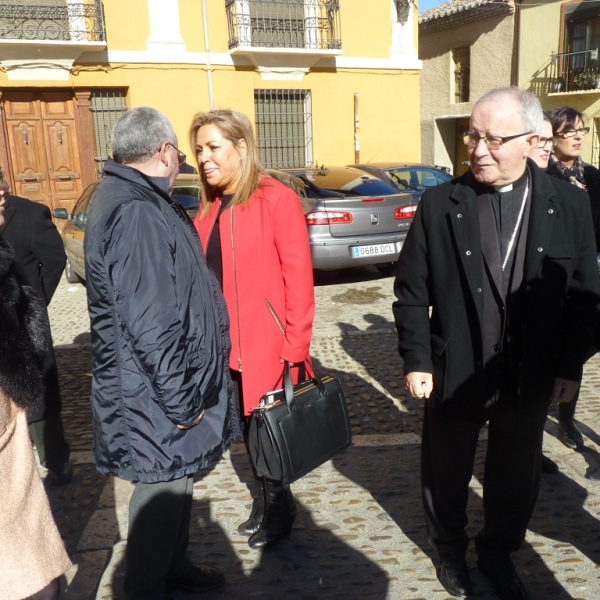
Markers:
(280, 512)
(257, 512)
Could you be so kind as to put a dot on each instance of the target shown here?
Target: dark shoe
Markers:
(257, 513)
(548, 465)
(456, 580)
(280, 513)
(506, 582)
(62, 474)
(201, 578)
(569, 435)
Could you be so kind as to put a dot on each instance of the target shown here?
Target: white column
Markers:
(244, 32)
(403, 35)
(311, 30)
(165, 35)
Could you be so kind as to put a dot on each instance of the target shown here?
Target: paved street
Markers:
(360, 529)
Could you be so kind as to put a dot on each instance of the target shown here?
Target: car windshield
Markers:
(416, 178)
(186, 195)
(349, 182)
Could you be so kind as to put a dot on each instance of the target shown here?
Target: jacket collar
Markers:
(134, 176)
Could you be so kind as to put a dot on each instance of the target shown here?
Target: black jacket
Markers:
(160, 341)
(38, 247)
(441, 266)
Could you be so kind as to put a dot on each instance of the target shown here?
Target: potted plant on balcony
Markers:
(585, 80)
(558, 85)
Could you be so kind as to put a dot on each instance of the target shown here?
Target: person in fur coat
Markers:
(32, 554)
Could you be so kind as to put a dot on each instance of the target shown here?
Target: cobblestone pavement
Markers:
(360, 529)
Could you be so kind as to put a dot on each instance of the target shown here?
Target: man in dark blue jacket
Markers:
(161, 390)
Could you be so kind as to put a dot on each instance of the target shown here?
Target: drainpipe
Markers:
(211, 100)
(516, 43)
(356, 131)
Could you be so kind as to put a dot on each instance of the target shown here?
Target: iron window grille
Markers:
(106, 107)
(59, 20)
(308, 24)
(284, 127)
(462, 73)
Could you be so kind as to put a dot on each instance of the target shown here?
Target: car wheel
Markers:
(71, 276)
(386, 269)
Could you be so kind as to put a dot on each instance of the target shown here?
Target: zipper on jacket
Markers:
(237, 304)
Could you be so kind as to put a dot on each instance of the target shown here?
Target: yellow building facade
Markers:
(324, 81)
(558, 59)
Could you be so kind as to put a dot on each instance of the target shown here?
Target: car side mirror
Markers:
(60, 213)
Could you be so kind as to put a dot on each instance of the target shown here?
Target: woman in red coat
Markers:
(254, 235)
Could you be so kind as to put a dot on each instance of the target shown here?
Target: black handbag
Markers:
(298, 428)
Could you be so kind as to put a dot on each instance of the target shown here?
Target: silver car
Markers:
(355, 218)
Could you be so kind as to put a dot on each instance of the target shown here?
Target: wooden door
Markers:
(26, 147)
(62, 152)
(43, 146)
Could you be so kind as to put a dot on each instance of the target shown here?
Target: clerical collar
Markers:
(509, 187)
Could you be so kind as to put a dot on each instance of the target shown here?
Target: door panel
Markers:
(43, 145)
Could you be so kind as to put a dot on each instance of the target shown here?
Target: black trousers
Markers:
(48, 435)
(158, 537)
(511, 481)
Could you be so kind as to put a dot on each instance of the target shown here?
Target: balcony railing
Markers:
(307, 24)
(68, 20)
(575, 71)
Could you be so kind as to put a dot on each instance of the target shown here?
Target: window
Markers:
(462, 73)
(284, 127)
(106, 106)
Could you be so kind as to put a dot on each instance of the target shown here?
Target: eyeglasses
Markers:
(573, 132)
(493, 142)
(180, 155)
(546, 140)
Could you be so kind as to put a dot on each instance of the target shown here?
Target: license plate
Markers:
(373, 250)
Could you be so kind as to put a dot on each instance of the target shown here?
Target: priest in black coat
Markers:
(497, 293)
(39, 250)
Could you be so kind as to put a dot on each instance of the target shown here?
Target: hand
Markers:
(563, 390)
(193, 424)
(291, 363)
(419, 385)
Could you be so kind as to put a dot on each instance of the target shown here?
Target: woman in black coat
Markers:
(566, 163)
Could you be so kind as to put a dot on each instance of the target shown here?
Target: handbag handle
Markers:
(289, 387)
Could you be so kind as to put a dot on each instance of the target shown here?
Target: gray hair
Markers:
(139, 134)
(531, 109)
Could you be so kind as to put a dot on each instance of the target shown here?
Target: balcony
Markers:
(283, 35)
(42, 40)
(575, 73)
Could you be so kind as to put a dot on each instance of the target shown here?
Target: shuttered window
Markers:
(106, 106)
(284, 127)
(277, 24)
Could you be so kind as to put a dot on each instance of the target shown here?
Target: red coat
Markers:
(266, 257)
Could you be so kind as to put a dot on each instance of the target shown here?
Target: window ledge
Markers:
(574, 93)
(281, 63)
(42, 60)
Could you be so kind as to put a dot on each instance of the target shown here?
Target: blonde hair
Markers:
(234, 126)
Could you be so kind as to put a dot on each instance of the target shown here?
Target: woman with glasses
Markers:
(254, 235)
(543, 149)
(566, 163)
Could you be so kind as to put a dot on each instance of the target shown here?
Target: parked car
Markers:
(353, 218)
(356, 218)
(411, 178)
(185, 191)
